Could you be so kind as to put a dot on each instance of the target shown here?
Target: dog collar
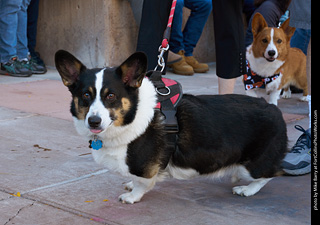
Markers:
(252, 80)
(95, 144)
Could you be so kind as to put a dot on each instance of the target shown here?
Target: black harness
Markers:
(169, 93)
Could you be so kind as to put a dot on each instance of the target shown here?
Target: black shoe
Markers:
(34, 67)
(36, 64)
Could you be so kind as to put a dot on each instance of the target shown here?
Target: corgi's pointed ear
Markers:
(258, 24)
(289, 31)
(68, 66)
(133, 70)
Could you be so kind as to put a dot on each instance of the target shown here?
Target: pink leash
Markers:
(166, 36)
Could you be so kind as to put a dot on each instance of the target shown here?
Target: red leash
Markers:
(167, 32)
(166, 36)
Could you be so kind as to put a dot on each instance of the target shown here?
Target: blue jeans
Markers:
(300, 39)
(189, 37)
(13, 29)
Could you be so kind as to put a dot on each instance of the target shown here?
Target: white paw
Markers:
(303, 98)
(128, 186)
(286, 94)
(243, 191)
(129, 198)
(273, 102)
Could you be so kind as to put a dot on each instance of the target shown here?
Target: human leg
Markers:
(33, 11)
(176, 37)
(229, 39)
(22, 40)
(9, 23)
(36, 63)
(226, 86)
(8, 28)
(176, 42)
(301, 39)
(200, 11)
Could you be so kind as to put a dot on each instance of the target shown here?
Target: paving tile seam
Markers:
(7, 192)
(67, 209)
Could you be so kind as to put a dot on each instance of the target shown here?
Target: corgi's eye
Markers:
(265, 40)
(111, 97)
(86, 96)
(279, 41)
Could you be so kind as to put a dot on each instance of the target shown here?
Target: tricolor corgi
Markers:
(235, 135)
(274, 64)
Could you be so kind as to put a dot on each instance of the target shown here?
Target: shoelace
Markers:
(303, 140)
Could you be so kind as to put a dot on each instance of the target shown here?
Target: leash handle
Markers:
(166, 36)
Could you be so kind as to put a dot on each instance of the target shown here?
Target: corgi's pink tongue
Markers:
(95, 131)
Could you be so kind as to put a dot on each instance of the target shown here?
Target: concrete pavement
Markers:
(47, 174)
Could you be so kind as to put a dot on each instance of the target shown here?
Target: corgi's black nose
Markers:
(271, 53)
(94, 121)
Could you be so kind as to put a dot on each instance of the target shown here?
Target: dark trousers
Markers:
(229, 38)
(228, 29)
(33, 11)
(155, 14)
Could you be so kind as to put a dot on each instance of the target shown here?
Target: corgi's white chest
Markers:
(113, 158)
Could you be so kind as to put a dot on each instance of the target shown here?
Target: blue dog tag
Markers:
(95, 144)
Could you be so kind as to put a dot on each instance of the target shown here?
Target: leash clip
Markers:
(161, 62)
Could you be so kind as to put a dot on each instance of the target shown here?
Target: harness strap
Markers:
(169, 94)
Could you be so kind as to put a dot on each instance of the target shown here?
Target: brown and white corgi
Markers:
(270, 58)
(114, 108)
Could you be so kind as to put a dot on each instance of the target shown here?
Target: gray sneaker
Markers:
(298, 160)
(14, 68)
